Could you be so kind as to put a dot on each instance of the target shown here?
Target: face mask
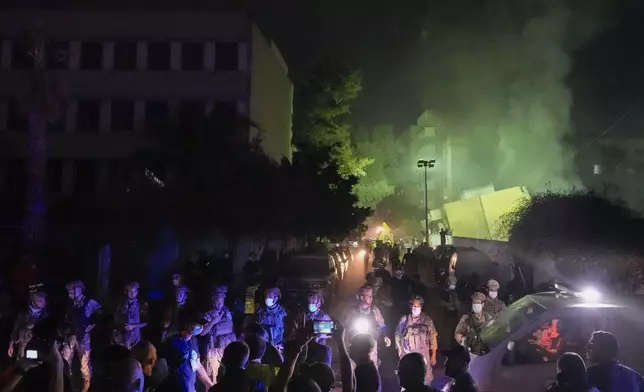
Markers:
(451, 286)
(197, 330)
(493, 294)
(477, 308)
(269, 302)
(175, 282)
(313, 307)
(415, 311)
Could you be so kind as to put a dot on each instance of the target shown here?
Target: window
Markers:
(84, 176)
(55, 175)
(224, 116)
(91, 55)
(159, 56)
(190, 113)
(125, 56)
(516, 315)
(555, 337)
(88, 115)
(156, 113)
(192, 56)
(57, 55)
(122, 115)
(16, 178)
(17, 119)
(226, 56)
(20, 57)
(118, 174)
(57, 126)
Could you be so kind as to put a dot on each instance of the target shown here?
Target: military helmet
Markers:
(451, 279)
(76, 284)
(132, 285)
(479, 296)
(220, 291)
(417, 298)
(273, 290)
(493, 285)
(362, 289)
(316, 296)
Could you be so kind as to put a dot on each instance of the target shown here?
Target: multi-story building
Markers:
(124, 71)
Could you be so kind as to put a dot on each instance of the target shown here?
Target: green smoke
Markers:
(496, 76)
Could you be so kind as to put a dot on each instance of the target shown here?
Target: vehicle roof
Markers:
(554, 299)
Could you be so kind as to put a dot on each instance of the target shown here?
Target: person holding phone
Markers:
(25, 321)
(314, 313)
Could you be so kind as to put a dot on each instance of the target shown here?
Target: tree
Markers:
(583, 236)
(322, 106)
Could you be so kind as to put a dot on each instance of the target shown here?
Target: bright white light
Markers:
(362, 253)
(379, 229)
(361, 325)
(590, 294)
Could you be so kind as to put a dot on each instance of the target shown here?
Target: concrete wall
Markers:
(271, 99)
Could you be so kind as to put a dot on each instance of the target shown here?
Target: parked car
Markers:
(301, 274)
(516, 357)
(340, 263)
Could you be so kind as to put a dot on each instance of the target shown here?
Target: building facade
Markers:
(124, 71)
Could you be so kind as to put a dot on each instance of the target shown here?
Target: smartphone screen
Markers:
(320, 326)
(32, 354)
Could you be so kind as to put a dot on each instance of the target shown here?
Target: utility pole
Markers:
(423, 163)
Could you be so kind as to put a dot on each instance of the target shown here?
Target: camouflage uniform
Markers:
(22, 327)
(218, 337)
(173, 314)
(468, 328)
(130, 312)
(493, 306)
(417, 336)
(272, 319)
(378, 326)
(77, 318)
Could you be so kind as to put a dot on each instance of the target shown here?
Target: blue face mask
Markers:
(313, 308)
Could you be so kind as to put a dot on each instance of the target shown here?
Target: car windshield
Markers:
(514, 317)
(307, 267)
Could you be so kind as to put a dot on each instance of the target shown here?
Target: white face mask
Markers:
(451, 286)
(313, 308)
(415, 311)
(269, 302)
(477, 308)
(493, 294)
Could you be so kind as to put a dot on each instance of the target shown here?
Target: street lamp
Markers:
(424, 164)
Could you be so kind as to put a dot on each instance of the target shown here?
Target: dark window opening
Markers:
(84, 176)
(20, 57)
(125, 56)
(122, 115)
(118, 174)
(224, 116)
(57, 55)
(156, 114)
(192, 55)
(55, 175)
(57, 126)
(16, 177)
(190, 114)
(91, 55)
(226, 56)
(159, 56)
(88, 115)
(17, 117)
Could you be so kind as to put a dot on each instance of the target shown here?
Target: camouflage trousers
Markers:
(212, 362)
(374, 355)
(83, 352)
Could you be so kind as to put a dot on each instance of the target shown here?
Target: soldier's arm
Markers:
(433, 337)
(380, 320)
(460, 331)
(225, 325)
(400, 331)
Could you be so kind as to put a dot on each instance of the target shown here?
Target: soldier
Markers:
(272, 315)
(468, 329)
(493, 305)
(25, 322)
(174, 312)
(367, 318)
(77, 318)
(416, 334)
(130, 316)
(451, 311)
(218, 330)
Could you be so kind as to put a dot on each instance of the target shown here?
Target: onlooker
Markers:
(571, 375)
(256, 370)
(128, 376)
(456, 364)
(271, 356)
(322, 374)
(412, 370)
(366, 373)
(232, 375)
(154, 370)
(607, 374)
(302, 384)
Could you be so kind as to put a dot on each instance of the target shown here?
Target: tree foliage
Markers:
(582, 234)
(322, 107)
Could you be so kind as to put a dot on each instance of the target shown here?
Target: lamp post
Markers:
(423, 163)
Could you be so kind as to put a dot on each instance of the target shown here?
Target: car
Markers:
(340, 263)
(302, 274)
(521, 347)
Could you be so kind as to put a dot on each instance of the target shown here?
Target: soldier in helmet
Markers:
(131, 315)
(367, 318)
(493, 305)
(314, 312)
(25, 322)
(218, 330)
(451, 307)
(416, 333)
(179, 306)
(468, 330)
(271, 316)
(77, 318)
